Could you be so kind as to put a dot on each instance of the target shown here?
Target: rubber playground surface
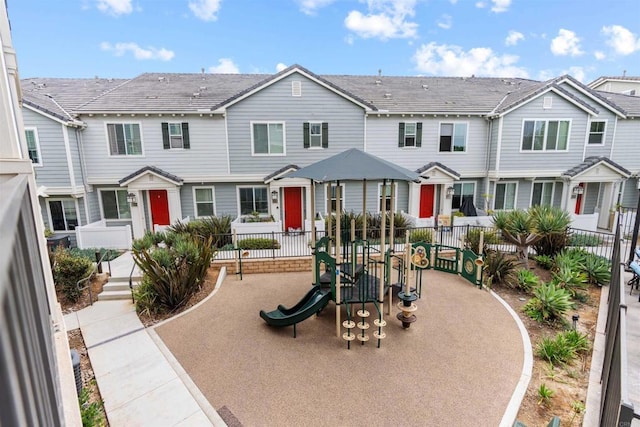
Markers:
(458, 364)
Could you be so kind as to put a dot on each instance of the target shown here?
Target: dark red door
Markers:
(292, 208)
(159, 207)
(579, 200)
(427, 192)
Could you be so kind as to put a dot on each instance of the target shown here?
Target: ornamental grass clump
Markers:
(549, 303)
(498, 268)
(526, 280)
(173, 268)
(68, 270)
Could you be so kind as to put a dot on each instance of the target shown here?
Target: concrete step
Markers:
(117, 286)
(114, 295)
(135, 278)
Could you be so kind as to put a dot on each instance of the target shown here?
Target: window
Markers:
(387, 198)
(545, 135)
(253, 199)
(124, 139)
(33, 146)
(175, 135)
(596, 132)
(115, 204)
(334, 200)
(268, 138)
(462, 189)
(453, 136)
(64, 216)
(542, 194)
(506, 195)
(204, 201)
(410, 135)
(316, 135)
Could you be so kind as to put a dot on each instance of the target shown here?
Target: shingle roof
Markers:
(158, 171)
(438, 165)
(592, 161)
(630, 104)
(280, 171)
(60, 97)
(603, 79)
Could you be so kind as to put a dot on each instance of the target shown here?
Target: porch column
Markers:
(413, 208)
(568, 196)
(445, 202)
(175, 208)
(138, 215)
(607, 205)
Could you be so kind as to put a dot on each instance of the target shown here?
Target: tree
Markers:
(519, 228)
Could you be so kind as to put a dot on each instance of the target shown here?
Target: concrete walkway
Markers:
(140, 381)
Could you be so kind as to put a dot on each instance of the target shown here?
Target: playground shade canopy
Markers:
(354, 165)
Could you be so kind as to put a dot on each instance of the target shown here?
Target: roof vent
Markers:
(41, 85)
(296, 88)
(425, 87)
(196, 94)
(547, 102)
(161, 79)
(203, 88)
(387, 96)
(110, 80)
(378, 82)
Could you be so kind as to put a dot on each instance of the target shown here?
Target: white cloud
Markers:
(205, 9)
(119, 49)
(445, 21)
(500, 6)
(566, 43)
(513, 38)
(546, 75)
(451, 60)
(599, 55)
(280, 66)
(225, 66)
(481, 4)
(453, 1)
(385, 19)
(310, 7)
(623, 41)
(579, 73)
(115, 7)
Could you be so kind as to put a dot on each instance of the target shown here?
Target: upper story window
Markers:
(175, 135)
(253, 199)
(33, 145)
(410, 135)
(542, 194)
(204, 201)
(268, 139)
(545, 135)
(453, 137)
(115, 204)
(596, 132)
(64, 216)
(506, 195)
(124, 139)
(460, 191)
(315, 134)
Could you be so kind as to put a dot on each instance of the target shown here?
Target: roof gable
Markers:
(592, 94)
(589, 168)
(432, 167)
(533, 95)
(150, 170)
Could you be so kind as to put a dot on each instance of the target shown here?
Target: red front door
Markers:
(426, 200)
(292, 208)
(159, 207)
(579, 201)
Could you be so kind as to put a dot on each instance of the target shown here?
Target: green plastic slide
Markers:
(313, 302)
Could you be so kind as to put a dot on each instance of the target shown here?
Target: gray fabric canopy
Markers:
(354, 165)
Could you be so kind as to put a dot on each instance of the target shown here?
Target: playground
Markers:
(458, 363)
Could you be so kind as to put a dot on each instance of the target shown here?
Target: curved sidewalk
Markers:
(458, 364)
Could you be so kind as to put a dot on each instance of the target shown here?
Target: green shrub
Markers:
(555, 350)
(90, 412)
(548, 304)
(544, 261)
(569, 258)
(544, 394)
(498, 268)
(68, 270)
(597, 269)
(90, 253)
(584, 240)
(526, 280)
(472, 239)
(145, 297)
(551, 224)
(421, 235)
(217, 227)
(577, 341)
(258, 243)
(570, 279)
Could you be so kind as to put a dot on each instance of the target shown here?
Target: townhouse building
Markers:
(158, 148)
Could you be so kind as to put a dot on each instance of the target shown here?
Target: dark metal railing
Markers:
(96, 268)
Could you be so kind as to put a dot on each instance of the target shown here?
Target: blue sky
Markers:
(537, 39)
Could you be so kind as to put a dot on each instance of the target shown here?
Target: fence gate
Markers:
(471, 267)
(447, 259)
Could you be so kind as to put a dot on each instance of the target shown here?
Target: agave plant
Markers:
(570, 279)
(548, 304)
(526, 280)
(597, 269)
(551, 224)
(498, 268)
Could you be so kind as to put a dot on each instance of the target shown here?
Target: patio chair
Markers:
(635, 280)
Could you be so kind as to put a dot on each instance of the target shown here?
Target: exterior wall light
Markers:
(274, 196)
(132, 199)
(450, 192)
(577, 190)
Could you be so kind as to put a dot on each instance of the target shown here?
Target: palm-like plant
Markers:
(519, 228)
(552, 224)
(549, 303)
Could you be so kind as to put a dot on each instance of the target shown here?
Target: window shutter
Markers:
(419, 134)
(401, 135)
(305, 132)
(165, 136)
(185, 136)
(325, 135)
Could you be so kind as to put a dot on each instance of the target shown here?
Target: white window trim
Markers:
(395, 184)
(462, 183)
(296, 88)
(50, 217)
(553, 190)
(546, 134)
(313, 147)
(213, 195)
(284, 138)
(100, 190)
(169, 133)
(123, 156)
(342, 193)
(415, 135)
(466, 136)
(547, 102)
(515, 195)
(37, 138)
(238, 187)
(604, 132)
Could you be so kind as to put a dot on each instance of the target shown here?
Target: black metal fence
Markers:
(615, 407)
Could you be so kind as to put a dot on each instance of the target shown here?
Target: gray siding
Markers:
(275, 104)
(590, 198)
(227, 198)
(382, 141)
(82, 213)
(626, 148)
(94, 206)
(494, 126)
(557, 195)
(513, 159)
(207, 155)
(629, 197)
(54, 171)
(74, 148)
